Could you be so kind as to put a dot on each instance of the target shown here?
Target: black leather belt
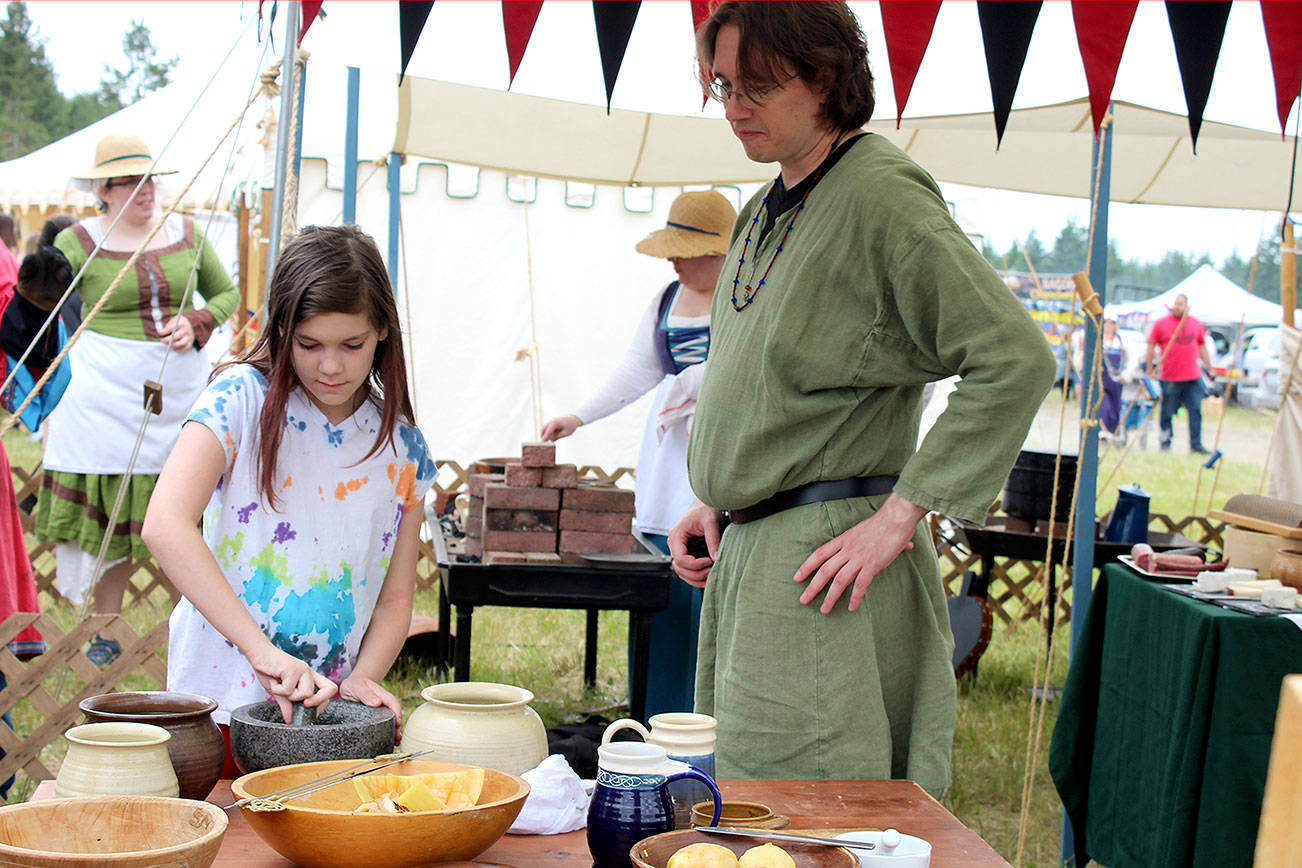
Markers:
(814, 492)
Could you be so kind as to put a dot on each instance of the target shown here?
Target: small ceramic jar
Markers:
(477, 723)
(196, 745)
(116, 759)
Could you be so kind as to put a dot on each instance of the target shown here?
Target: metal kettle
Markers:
(1129, 521)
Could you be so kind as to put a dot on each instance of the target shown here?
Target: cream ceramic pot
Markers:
(477, 723)
(116, 759)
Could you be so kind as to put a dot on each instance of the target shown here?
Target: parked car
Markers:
(1259, 361)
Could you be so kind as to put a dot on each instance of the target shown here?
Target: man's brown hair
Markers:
(819, 41)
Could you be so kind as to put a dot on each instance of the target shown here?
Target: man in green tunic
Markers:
(847, 288)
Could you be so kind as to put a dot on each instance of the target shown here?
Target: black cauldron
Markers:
(1028, 493)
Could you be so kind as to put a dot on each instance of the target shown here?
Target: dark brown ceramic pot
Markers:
(196, 746)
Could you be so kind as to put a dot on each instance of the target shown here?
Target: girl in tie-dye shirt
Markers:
(303, 463)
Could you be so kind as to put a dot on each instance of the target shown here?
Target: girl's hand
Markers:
(361, 689)
(290, 680)
(177, 333)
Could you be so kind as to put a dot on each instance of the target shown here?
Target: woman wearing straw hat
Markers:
(671, 341)
(149, 329)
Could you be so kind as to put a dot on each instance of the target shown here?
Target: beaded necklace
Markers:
(749, 293)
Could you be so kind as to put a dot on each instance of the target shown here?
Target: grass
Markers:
(543, 649)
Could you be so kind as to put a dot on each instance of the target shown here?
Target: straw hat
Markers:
(699, 224)
(121, 155)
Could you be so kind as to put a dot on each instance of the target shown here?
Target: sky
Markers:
(463, 42)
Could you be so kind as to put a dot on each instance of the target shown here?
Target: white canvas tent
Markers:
(486, 277)
(1213, 298)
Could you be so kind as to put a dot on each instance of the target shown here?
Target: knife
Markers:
(778, 836)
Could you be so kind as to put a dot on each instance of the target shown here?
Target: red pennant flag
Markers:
(700, 12)
(1006, 27)
(614, 20)
(1197, 29)
(309, 8)
(1283, 20)
(907, 27)
(518, 19)
(1101, 31)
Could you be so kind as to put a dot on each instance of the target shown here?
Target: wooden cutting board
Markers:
(1251, 523)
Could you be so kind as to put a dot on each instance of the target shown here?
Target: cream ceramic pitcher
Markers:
(687, 737)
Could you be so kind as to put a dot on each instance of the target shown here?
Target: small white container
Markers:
(893, 849)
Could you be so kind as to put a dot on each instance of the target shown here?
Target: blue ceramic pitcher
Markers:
(631, 801)
(1129, 522)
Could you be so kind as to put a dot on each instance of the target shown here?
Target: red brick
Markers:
(520, 519)
(599, 498)
(538, 455)
(478, 481)
(519, 541)
(504, 557)
(498, 495)
(519, 476)
(586, 543)
(595, 522)
(474, 546)
(560, 476)
(443, 500)
(475, 524)
(542, 558)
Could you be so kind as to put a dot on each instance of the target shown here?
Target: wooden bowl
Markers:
(118, 831)
(654, 852)
(320, 829)
(1287, 567)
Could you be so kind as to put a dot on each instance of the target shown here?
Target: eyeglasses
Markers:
(722, 93)
(128, 181)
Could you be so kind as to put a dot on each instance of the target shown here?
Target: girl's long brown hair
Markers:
(326, 269)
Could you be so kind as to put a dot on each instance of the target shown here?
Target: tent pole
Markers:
(395, 212)
(350, 145)
(292, 13)
(1087, 469)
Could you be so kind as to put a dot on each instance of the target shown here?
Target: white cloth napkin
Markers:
(557, 800)
(679, 406)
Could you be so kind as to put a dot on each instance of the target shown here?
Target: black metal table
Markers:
(641, 591)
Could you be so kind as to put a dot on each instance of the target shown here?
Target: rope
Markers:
(535, 369)
(1091, 400)
(289, 216)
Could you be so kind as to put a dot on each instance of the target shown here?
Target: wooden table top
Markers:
(811, 805)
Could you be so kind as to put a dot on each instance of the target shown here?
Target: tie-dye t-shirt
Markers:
(311, 572)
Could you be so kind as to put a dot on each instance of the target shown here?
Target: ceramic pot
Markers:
(196, 746)
(477, 723)
(1287, 567)
(116, 759)
(631, 800)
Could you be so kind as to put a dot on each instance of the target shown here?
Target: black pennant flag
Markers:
(1197, 29)
(411, 21)
(614, 20)
(1006, 27)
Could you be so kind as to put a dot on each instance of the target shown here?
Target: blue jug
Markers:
(1129, 522)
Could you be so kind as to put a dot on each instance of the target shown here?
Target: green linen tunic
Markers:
(876, 293)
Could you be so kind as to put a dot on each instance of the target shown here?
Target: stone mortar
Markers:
(260, 739)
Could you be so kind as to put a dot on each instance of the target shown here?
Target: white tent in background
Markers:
(1213, 298)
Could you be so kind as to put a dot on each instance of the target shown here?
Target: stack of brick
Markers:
(537, 510)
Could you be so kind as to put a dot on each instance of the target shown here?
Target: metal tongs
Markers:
(329, 781)
(778, 836)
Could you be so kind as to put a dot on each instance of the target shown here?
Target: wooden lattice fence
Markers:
(1017, 587)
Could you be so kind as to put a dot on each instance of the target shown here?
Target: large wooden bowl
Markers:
(320, 829)
(654, 852)
(117, 831)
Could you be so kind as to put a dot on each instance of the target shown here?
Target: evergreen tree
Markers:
(144, 74)
(30, 104)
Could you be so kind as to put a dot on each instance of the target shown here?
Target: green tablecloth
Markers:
(1163, 736)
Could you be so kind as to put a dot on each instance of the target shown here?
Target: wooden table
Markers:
(812, 805)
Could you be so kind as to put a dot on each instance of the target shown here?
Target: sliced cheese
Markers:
(1212, 582)
(1280, 598)
(1252, 590)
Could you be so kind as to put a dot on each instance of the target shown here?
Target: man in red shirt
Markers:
(1180, 341)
